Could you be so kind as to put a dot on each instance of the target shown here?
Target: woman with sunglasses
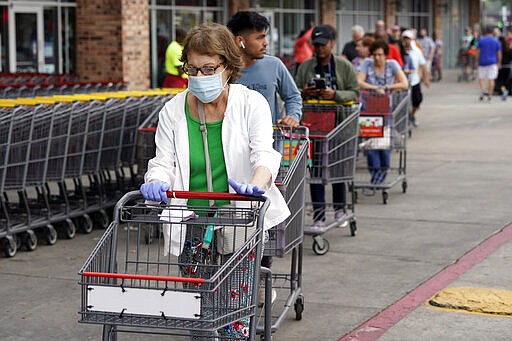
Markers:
(239, 133)
(381, 75)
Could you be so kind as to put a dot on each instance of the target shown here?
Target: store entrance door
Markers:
(26, 44)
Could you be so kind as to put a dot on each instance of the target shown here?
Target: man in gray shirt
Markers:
(263, 73)
(428, 46)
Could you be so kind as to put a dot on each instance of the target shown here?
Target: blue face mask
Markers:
(206, 88)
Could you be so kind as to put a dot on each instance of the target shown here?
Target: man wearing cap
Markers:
(341, 78)
(341, 86)
(416, 72)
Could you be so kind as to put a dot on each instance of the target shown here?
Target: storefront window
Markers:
(51, 48)
(356, 12)
(68, 38)
(185, 15)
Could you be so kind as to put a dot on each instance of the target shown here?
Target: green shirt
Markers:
(198, 163)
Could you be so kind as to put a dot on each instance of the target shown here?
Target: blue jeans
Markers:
(378, 164)
(318, 199)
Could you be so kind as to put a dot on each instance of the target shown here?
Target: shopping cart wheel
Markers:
(101, 219)
(9, 246)
(385, 196)
(18, 240)
(30, 240)
(84, 223)
(299, 307)
(353, 228)
(404, 186)
(50, 235)
(320, 245)
(68, 228)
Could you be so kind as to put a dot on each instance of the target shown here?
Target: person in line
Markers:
(341, 86)
(489, 62)
(428, 47)
(349, 49)
(380, 75)
(394, 51)
(437, 61)
(263, 73)
(418, 71)
(239, 125)
(504, 73)
(363, 51)
(175, 77)
(302, 48)
(396, 32)
(267, 75)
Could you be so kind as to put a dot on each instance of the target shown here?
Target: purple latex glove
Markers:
(155, 190)
(247, 189)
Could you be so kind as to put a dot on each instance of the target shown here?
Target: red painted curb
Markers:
(380, 323)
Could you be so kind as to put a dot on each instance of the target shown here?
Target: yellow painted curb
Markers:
(475, 300)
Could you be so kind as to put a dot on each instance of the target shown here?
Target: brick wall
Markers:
(113, 41)
(135, 38)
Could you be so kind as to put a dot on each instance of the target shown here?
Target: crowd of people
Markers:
(487, 56)
(234, 90)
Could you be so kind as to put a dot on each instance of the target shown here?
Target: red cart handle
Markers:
(212, 196)
(143, 277)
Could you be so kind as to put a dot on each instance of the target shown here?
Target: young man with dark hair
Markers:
(267, 75)
(263, 73)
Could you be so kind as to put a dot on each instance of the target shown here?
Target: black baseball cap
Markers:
(322, 34)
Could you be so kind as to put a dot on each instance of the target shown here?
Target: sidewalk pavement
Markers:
(370, 286)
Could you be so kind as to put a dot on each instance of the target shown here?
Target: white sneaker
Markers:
(318, 226)
(340, 215)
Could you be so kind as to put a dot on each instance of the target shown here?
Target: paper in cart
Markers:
(175, 233)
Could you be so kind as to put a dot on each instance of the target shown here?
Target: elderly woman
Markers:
(380, 75)
(239, 126)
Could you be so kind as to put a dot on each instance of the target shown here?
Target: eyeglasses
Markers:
(207, 70)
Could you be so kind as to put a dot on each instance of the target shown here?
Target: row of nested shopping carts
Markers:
(64, 162)
(21, 85)
(194, 271)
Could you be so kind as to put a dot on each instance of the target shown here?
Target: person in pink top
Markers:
(302, 49)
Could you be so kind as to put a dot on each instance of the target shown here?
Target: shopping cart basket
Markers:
(383, 135)
(334, 155)
(197, 278)
(288, 236)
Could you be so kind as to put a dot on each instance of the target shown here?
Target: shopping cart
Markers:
(333, 132)
(197, 278)
(64, 161)
(288, 236)
(466, 64)
(383, 135)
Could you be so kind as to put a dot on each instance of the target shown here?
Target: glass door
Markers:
(26, 45)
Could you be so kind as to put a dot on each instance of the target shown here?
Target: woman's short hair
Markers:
(214, 39)
(379, 44)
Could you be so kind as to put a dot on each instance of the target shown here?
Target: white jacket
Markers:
(246, 140)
